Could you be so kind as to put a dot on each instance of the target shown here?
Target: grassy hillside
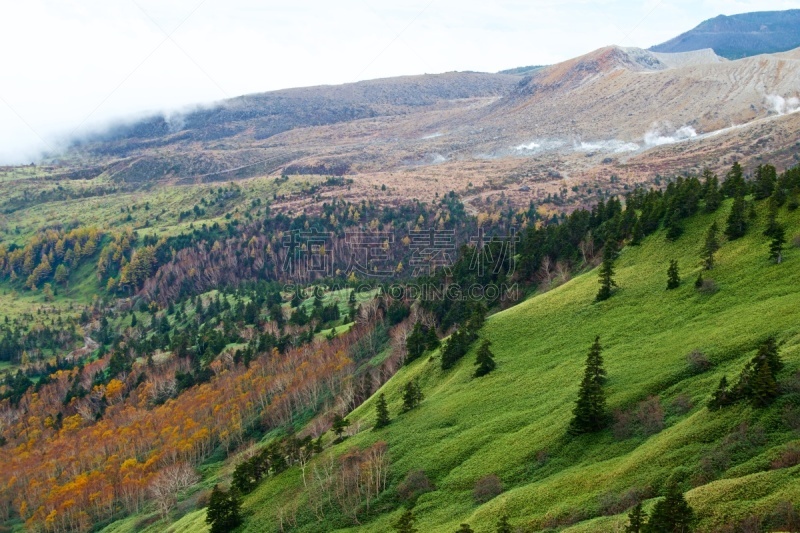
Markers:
(513, 422)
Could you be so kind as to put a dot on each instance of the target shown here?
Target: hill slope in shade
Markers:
(512, 423)
(743, 35)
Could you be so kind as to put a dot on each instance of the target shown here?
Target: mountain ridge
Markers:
(741, 35)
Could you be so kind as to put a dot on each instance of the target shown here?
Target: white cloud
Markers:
(71, 64)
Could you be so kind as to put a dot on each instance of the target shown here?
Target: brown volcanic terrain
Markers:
(616, 111)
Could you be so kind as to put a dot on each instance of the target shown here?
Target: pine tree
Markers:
(778, 235)
(764, 183)
(61, 275)
(673, 277)
(672, 514)
(734, 184)
(710, 246)
(722, 396)
(339, 425)
(637, 519)
(464, 528)
(412, 395)
(416, 343)
(637, 234)
(763, 387)
(503, 526)
(607, 282)
(673, 225)
(223, 514)
(768, 352)
(736, 225)
(589, 414)
(711, 192)
(381, 412)
(484, 360)
(758, 382)
(698, 283)
(405, 524)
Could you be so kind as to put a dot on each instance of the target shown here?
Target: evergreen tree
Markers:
(412, 395)
(589, 414)
(416, 343)
(464, 528)
(484, 360)
(637, 519)
(637, 234)
(607, 282)
(764, 183)
(758, 382)
(763, 387)
(710, 246)
(672, 514)
(223, 514)
(503, 526)
(736, 225)
(778, 234)
(734, 184)
(711, 192)
(381, 412)
(133, 320)
(405, 524)
(673, 225)
(768, 352)
(722, 396)
(673, 277)
(339, 425)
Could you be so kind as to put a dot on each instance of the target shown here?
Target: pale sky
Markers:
(70, 66)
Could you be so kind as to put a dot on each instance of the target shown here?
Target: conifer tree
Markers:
(768, 352)
(637, 520)
(484, 360)
(778, 234)
(763, 387)
(503, 526)
(673, 277)
(416, 343)
(223, 514)
(405, 524)
(722, 396)
(339, 425)
(711, 192)
(757, 381)
(672, 514)
(673, 225)
(637, 234)
(736, 225)
(734, 184)
(710, 246)
(607, 282)
(412, 395)
(465, 528)
(589, 414)
(764, 183)
(381, 412)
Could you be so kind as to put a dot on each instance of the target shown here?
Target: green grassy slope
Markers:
(513, 422)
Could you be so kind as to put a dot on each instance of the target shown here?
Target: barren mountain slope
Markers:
(614, 94)
(616, 111)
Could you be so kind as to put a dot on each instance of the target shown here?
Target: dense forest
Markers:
(204, 343)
